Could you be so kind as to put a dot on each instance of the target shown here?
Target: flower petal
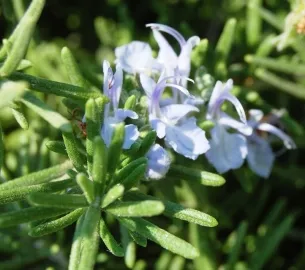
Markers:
(148, 84)
(288, 142)
(107, 130)
(166, 55)
(158, 126)
(158, 162)
(184, 59)
(135, 57)
(254, 117)
(175, 112)
(239, 108)
(122, 114)
(169, 30)
(116, 89)
(260, 156)
(108, 76)
(131, 135)
(227, 151)
(217, 97)
(228, 121)
(187, 139)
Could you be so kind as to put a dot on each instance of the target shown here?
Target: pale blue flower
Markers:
(171, 120)
(168, 57)
(260, 155)
(136, 57)
(113, 115)
(228, 150)
(158, 162)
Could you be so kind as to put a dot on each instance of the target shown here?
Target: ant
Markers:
(82, 125)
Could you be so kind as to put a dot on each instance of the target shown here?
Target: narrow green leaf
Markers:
(277, 65)
(1, 148)
(73, 152)
(22, 37)
(115, 147)
(160, 236)
(72, 68)
(58, 200)
(76, 248)
(266, 46)
(56, 88)
(269, 17)
(100, 108)
(86, 185)
(92, 128)
(109, 240)
(146, 208)
(280, 83)
(270, 243)
(99, 168)
(48, 114)
(57, 147)
(90, 243)
(25, 215)
(24, 64)
(199, 53)
(236, 249)
(123, 173)
(147, 143)
(130, 102)
(112, 195)
(132, 179)
(11, 90)
(57, 224)
(253, 23)
(225, 41)
(177, 263)
(20, 118)
(139, 239)
(274, 213)
(174, 210)
(19, 193)
(164, 260)
(205, 178)
(37, 177)
(129, 246)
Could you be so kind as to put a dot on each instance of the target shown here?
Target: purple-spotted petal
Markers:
(158, 162)
(175, 112)
(288, 142)
(260, 156)
(108, 77)
(131, 135)
(227, 151)
(116, 88)
(187, 139)
(122, 114)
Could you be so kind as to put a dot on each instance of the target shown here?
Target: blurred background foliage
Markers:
(261, 222)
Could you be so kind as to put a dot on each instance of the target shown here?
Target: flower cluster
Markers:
(230, 141)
